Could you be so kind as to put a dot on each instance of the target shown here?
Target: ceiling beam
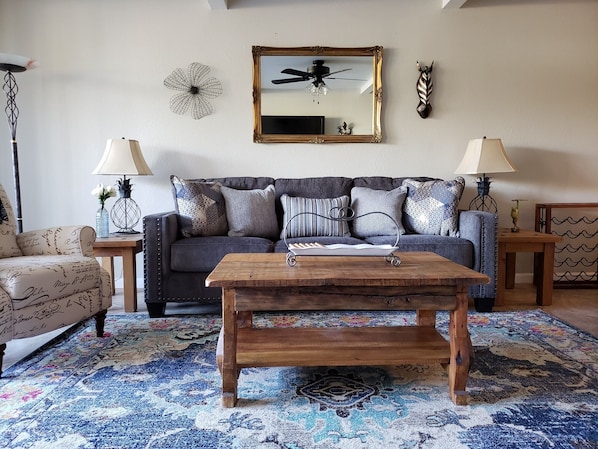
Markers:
(218, 4)
(453, 3)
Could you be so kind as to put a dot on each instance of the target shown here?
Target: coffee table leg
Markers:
(229, 352)
(461, 349)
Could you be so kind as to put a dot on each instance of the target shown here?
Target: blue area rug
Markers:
(154, 383)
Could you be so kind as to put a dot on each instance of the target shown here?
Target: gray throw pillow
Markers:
(251, 213)
(200, 206)
(431, 207)
(308, 217)
(365, 201)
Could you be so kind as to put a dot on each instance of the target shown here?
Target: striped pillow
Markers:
(308, 217)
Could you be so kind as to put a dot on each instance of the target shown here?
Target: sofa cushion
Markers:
(8, 239)
(202, 254)
(431, 206)
(200, 207)
(307, 217)
(250, 213)
(31, 280)
(453, 248)
(365, 202)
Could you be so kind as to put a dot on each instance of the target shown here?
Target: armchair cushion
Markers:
(30, 280)
(8, 241)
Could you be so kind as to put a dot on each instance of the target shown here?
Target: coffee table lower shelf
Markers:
(267, 347)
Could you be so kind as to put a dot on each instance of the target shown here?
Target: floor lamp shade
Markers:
(484, 156)
(123, 157)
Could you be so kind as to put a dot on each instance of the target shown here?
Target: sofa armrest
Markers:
(57, 241)
(161, 230)
(480, 228)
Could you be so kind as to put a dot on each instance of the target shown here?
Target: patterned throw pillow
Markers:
(251, 213)
(8, 239)
(303, 223)
(431, 207)
(200, 206)
(365, 201)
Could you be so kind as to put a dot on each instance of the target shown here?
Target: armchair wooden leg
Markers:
(100, 320)
(2, 349)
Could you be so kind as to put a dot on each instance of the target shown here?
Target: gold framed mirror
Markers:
(317, 94)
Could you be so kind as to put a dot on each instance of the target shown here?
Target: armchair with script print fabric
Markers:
(48, 279)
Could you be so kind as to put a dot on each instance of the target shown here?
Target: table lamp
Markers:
(484, 156)
(123, 157)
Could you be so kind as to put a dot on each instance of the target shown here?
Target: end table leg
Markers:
(129, 280)
(230, 371)
(461, 349)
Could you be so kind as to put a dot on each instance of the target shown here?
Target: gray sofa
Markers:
(176, 266)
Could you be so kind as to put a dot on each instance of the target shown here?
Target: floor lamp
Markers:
(12, 64)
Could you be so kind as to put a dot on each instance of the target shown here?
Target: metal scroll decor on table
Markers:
(317, 249)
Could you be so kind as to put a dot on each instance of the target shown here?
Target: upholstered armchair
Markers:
(48, 279)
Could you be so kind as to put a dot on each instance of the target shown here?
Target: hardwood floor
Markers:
(578, 307)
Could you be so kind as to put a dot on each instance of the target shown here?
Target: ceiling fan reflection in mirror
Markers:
(316, 74)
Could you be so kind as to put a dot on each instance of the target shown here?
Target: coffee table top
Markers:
(270, 270)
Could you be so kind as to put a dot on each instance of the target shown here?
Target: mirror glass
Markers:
(317, 94)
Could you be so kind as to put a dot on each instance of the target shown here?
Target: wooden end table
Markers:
(424, 282)
(542, 245)
(125, 246)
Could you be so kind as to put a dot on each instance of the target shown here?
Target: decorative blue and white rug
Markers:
(154, 384)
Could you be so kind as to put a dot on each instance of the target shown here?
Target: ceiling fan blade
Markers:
(296, 73)
(288, 80)
(347, 79)
(332, 73)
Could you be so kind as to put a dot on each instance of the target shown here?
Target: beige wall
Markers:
(525, 71)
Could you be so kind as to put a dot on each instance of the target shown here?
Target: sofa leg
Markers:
(100, 320)
(483, 304)
(156, 309)
(2, 349)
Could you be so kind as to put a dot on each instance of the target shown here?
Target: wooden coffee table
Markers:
(424, 282)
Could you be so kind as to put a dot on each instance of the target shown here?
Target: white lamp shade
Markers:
(485, 156)
(122, 157)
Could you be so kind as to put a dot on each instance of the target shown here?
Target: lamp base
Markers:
(125, 215)
(484, 203)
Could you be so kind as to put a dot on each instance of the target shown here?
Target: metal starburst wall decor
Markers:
(194, 89)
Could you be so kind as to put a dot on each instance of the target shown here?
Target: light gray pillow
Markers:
(365, 200)
(251, 213)
(200, 207)
(431, 207)
(303, 219)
